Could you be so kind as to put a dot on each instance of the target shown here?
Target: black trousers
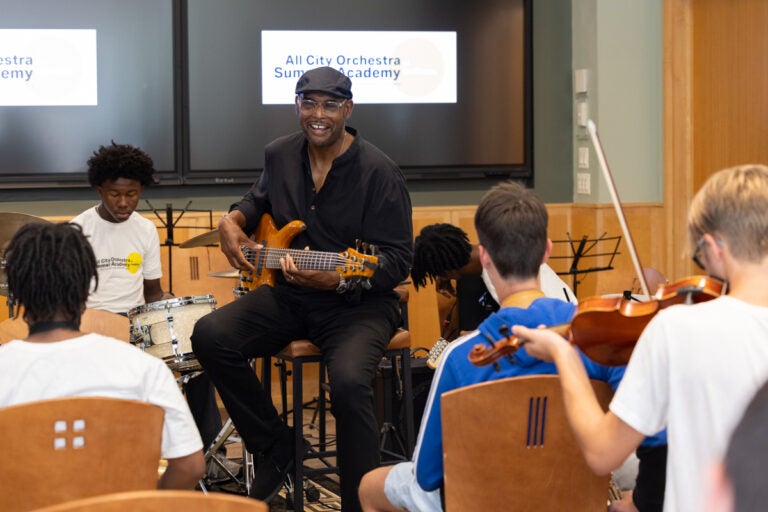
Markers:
(201, 397)
(352, 336)
(651, 478)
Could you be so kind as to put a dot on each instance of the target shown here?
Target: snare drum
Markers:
(164, 329)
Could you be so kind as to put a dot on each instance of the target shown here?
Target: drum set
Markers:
(164, 330)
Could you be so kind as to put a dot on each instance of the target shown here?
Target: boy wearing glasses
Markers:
(342, 188)
(695, 367)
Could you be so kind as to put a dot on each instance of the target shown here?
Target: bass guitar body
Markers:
(269, 237)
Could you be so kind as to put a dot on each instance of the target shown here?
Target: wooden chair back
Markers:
(157, 501)
(507, 445)
(13, 329)
(68, 448)
(93, 320)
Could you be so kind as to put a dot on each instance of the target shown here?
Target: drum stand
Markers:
(227, 432)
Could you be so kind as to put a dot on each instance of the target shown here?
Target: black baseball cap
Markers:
(327, 80)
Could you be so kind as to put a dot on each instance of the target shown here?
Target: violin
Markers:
(607, 329)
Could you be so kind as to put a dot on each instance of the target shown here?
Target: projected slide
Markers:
(48, 67)
(385, 66)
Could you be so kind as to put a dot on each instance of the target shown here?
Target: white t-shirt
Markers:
(127, 253)
(95, 365)
(694, 370)
(549, 283)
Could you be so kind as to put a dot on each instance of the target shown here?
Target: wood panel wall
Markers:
(730, 85)
(715, 99)
(191, 267)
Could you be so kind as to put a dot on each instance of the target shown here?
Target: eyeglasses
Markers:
(696, 252)
(331, 107)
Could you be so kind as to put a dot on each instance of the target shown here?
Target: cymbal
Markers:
(209, 238)
(226, 273)
(10, 223)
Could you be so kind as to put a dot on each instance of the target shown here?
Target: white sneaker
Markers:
(214, 472)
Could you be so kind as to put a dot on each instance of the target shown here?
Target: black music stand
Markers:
(169, 223)
(582, 251)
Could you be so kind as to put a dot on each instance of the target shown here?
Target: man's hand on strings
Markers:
(318, 279)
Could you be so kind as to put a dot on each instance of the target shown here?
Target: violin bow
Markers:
(592, 129)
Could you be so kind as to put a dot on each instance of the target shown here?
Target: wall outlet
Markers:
(580, 81)
(582, 113)
(583, 183)
(583, 157)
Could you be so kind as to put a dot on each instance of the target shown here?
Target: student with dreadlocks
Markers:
(127, 250)
(442, 253)
(50, 268)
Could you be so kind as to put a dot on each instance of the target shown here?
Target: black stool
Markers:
(304, 351)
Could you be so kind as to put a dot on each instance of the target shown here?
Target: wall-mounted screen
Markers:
(442, 86)
(78, 74)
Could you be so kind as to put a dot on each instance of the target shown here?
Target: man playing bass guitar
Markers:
(342, 188)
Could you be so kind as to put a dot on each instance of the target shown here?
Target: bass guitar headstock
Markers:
(359, 264)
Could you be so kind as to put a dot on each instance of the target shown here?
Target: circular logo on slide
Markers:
(133, 262)
(423, 69)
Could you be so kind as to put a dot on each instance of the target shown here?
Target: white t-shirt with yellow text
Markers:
(127, 253)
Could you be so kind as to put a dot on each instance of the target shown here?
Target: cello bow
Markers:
(592, 129)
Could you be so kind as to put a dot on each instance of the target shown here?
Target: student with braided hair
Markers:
(50, 268)
(442, 253)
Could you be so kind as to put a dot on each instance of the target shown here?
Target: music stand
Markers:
(603, 246)
(169, 223)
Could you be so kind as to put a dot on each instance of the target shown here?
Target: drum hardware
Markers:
(140, 336)
(164, 329)
(228, 433)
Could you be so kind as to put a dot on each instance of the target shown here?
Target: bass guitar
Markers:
(350, 264)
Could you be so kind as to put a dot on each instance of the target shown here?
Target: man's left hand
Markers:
(318, 279)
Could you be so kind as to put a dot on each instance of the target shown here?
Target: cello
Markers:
(607, 329)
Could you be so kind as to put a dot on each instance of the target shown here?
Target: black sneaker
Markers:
(272, 469)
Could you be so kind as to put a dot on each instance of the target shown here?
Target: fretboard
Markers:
(304, 260)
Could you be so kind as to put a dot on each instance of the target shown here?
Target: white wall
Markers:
(619, 43)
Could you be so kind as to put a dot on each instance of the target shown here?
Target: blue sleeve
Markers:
(429, 452)
(610, 374)
(613, 375)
